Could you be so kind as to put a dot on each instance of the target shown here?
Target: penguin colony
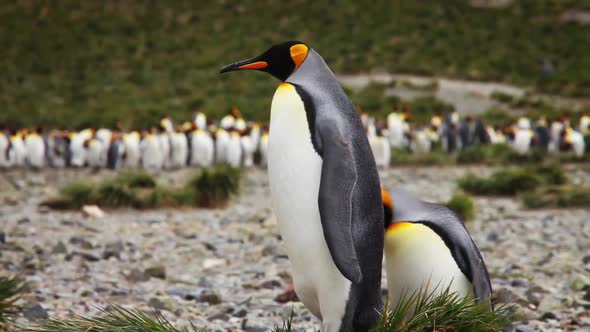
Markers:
(332, 212)
(236, 142)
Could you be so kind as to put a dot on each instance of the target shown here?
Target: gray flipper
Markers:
(338, 180)
(451, 229)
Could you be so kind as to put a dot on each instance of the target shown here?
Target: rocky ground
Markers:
(222, 269)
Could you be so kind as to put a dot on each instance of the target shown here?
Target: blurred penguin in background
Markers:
(480, 133)
(179, 146)
(542, 134)
(379, 145)
(523, 139)
(234, 150)
(202, 148)
(228, 121)
(115, 151)
(263, 148)
(449, 134)
(132, 154)
(77, 148)
(35, 146)
(574, 141)
(222, 139)
(248, 149)
(200, 120)
(5, 150)
(397, 128)
(152, 157)
(420, 141)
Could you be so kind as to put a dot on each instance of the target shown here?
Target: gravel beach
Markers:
(222, 269)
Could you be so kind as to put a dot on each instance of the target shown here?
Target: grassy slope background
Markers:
(73, 64)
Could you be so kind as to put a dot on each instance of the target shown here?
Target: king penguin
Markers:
(325, 189)
(428, 249)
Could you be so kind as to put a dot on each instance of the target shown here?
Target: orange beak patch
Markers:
(255, 65)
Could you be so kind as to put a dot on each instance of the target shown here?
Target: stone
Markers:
(59, 248)
(136, 275)
(113, 249)
(81, 242)
(519, 282)
(580, 282)
(119, 292)
(88, 256)
(219, 316)
(35, 311)
(270, 284)
(157, 304)
(178, 291)
(524, 328)
(158, 272)
(209, 297)
(586, 259)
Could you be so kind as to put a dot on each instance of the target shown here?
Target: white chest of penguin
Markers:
(294, 170)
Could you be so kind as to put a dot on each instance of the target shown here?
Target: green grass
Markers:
(405, 157)
(557, 197)
(10, 290)
(511, 181)
(133, 62)
(446, 311)
(209, 188)
(213, 188)
(463, 206)
(118, 319)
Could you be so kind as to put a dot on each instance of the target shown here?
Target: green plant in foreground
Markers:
(117, 319)
(10, 290)
(444, 312)
(463, 206)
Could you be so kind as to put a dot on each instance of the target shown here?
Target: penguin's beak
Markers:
(250, 64)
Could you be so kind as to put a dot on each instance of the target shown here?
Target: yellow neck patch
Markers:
(400, 226)
(298, 54)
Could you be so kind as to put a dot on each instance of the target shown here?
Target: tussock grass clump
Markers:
(489, 153)
(513, 181)
(10, 290)
(444, 312)
(117, 194)
(405, 157)
(463, 206)
(138, 179)
(504, 182)
(114, 320)
(213, 188)
(436, 312)
(560, 197)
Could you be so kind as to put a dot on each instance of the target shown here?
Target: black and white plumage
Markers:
(427, 247)
(325, 189)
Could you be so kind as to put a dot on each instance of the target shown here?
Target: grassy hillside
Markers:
(78, 63)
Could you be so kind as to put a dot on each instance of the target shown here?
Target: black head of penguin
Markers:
(280, 61)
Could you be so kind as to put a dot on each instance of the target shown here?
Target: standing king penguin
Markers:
(325, 189)
(428, 249)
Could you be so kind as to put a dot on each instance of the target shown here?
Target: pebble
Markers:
(113, 249)
(35, 312)
(156, 272)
